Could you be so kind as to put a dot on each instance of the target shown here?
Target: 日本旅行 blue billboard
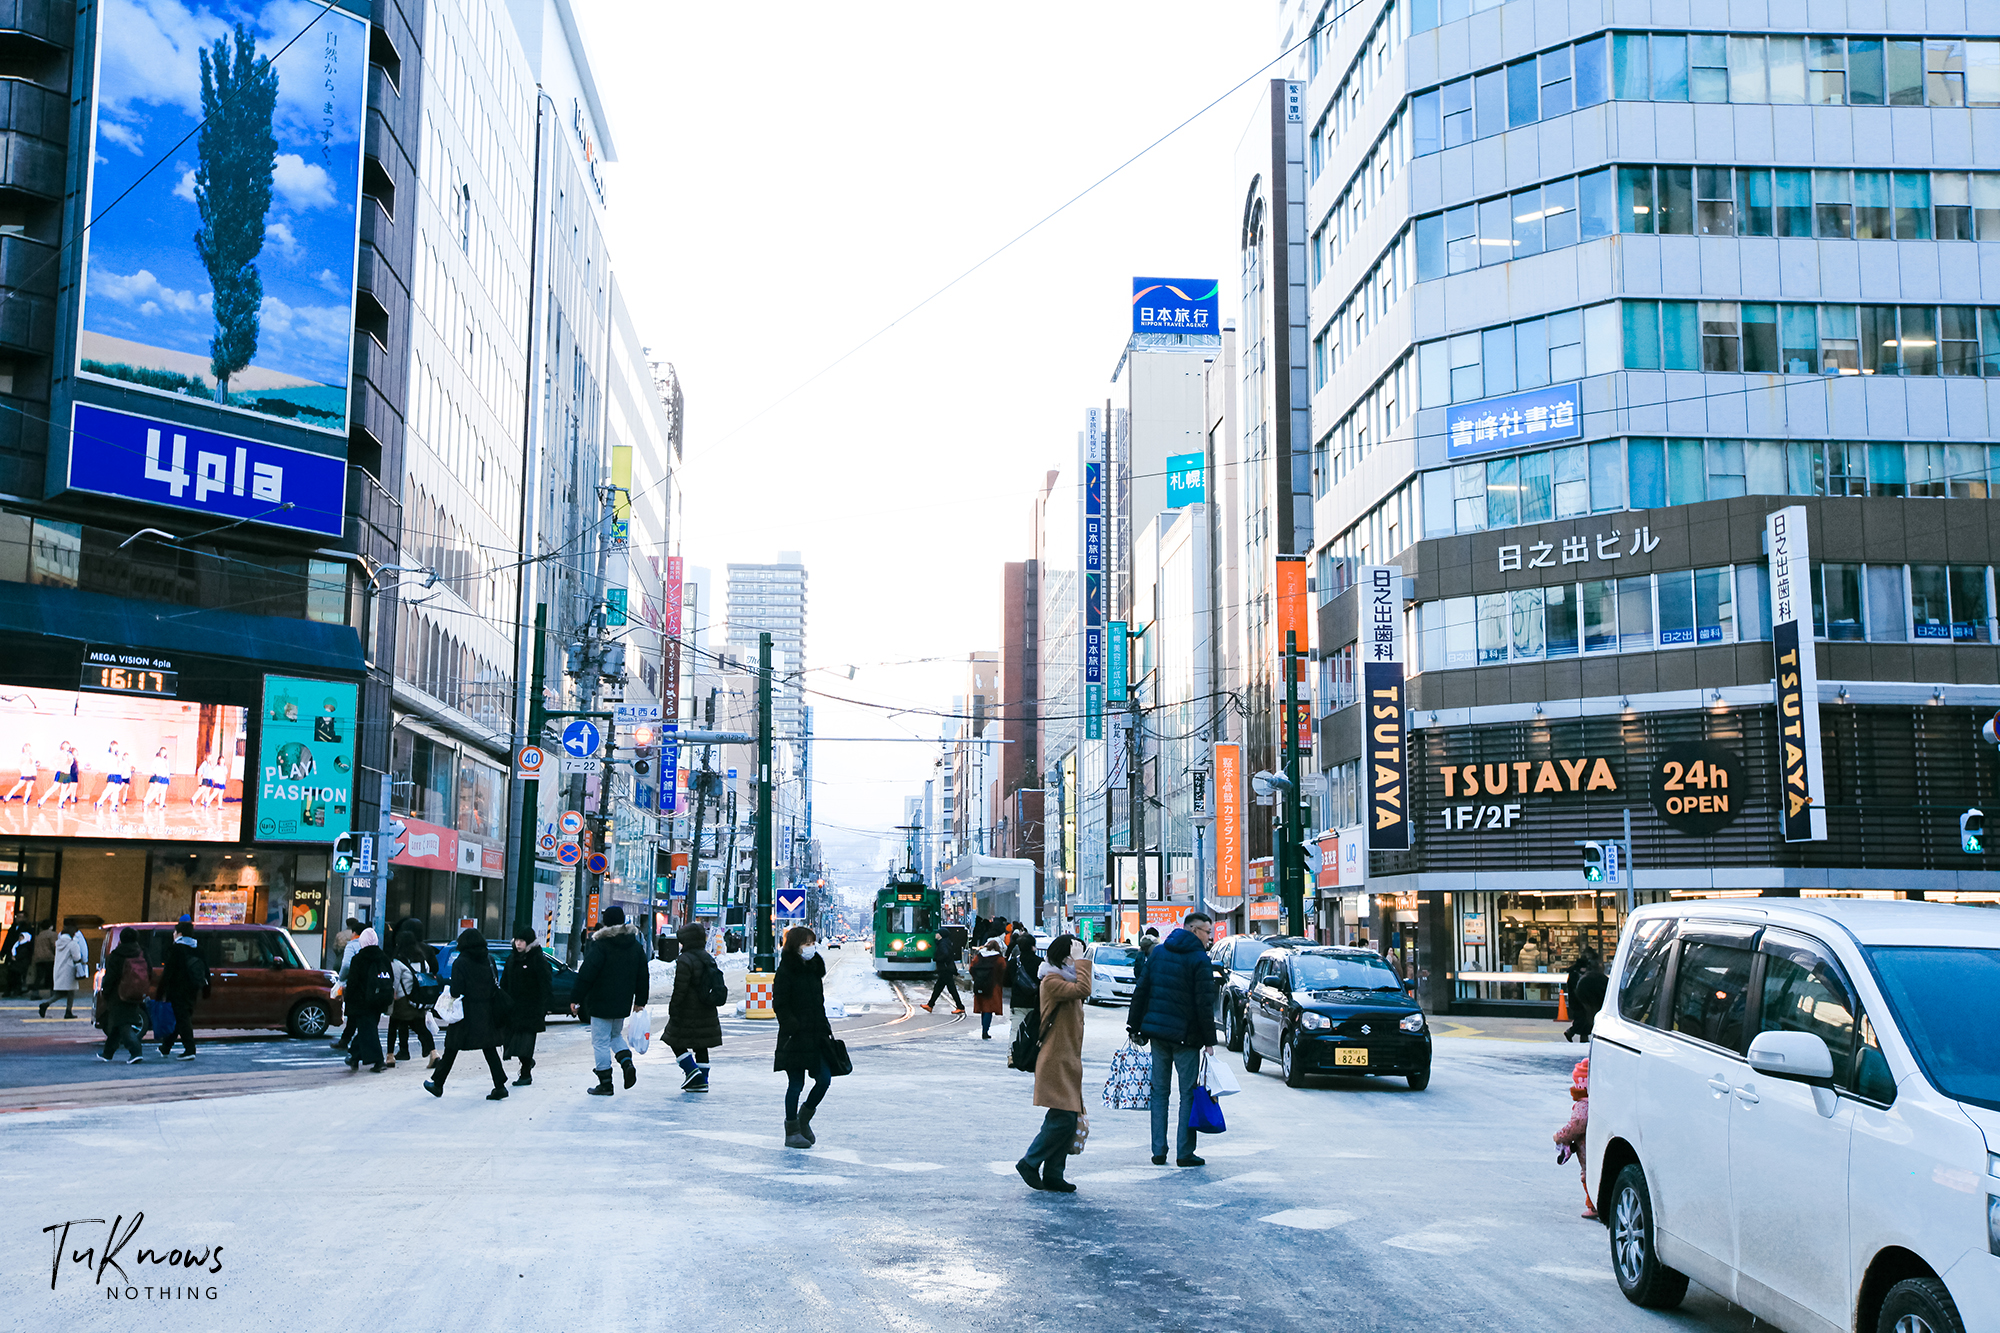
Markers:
(1177, 305)
(223, 198)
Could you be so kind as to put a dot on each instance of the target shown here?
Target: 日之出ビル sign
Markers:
(1517, 420)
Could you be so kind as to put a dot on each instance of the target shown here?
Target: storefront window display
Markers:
(1520, 946)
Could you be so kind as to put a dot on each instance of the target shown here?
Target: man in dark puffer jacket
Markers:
(1173, 1006)
(610, 988)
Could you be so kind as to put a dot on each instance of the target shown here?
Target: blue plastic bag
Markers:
(160, 1017)
(1205, 1113)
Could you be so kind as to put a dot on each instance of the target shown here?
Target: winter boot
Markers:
(527, 1074)
(699, 1083)
(806, 1125)
(689, 1069)
(603, 1088)
(1052, 1175)
(625, 1062)
(794, 1139)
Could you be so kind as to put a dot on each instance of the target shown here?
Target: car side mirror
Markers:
(1799, 1056)
(279, 964)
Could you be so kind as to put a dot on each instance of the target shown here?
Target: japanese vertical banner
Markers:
(670, 695)
(1385, 754)
(1800, 777)
(1093, 577)
(1228, 798)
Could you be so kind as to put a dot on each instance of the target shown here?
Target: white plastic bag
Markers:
(1218, 1077)
(449, 1008)
(636, 1035)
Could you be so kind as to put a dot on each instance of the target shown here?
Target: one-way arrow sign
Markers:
(791, 902)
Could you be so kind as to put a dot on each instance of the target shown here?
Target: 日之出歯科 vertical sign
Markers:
(1385, 755)
(1801, 781)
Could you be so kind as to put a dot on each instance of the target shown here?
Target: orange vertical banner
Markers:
(1229, 820)
(1293, 604)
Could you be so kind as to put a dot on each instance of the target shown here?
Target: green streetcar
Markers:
(906, 923)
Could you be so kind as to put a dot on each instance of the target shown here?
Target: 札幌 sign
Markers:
(1537, 416)
(1385, 756)
(1801, 780)
(1176, 305)
(1185, 480)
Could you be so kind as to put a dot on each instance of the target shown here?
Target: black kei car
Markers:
(1325, 1010)
(1233, 958)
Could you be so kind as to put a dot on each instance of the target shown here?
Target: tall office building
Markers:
(1641, 349)
(772, 597)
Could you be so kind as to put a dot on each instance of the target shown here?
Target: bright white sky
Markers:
(791, 177)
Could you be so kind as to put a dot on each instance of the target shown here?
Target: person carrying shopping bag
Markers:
(1058, 1065)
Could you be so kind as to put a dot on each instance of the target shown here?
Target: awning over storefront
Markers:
(1000, 885)
(28, 610)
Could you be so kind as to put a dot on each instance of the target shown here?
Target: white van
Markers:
(1796, 1103)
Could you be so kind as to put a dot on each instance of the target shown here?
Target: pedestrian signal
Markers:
(1972, 832)
(1593, 863)
(343, 854)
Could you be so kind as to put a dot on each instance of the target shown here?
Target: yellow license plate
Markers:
(1350, 1055)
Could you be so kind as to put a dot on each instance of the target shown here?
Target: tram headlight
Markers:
(895, 946)
(923, 945)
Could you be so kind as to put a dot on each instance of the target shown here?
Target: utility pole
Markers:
(765, 957)
(700, 813)
(1136, 796)
(524, 874)
(1290, 853)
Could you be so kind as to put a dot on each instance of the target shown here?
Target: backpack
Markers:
(135, 979)
(425, 990)
(717, 984)
(381, 992)
(983, 970)
(1027, 1047)
(197, 971)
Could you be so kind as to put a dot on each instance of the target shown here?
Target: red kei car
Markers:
(256, 978)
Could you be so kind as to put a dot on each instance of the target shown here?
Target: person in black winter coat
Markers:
(183, 980)
(481, 1029)
(123, 1019)
(526, 983)
(945, 953)
(412, 960)
(368, 976)
(1173, 1006)
(692, 1024)
(1584, 991)
(610, 988)
(798, 998)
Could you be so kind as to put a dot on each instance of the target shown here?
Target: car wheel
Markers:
(1288, 1061)
(1252, 1062)
(1919, 1305)
(1232, 1022)
(309, 1018)
(1418, 1082)
(1634, 1260)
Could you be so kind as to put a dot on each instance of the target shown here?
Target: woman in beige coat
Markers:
(1059, 1067)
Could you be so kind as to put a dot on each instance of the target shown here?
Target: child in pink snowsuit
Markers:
(1569, 1139)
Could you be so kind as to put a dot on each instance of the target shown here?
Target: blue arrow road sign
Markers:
(791, 902)
(580, 737)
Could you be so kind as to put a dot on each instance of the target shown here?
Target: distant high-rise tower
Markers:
(772, 597)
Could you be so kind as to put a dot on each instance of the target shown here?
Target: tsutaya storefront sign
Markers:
(1528, 777)
(1386, 755)
(1800, 775)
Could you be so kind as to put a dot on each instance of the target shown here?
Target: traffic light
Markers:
(343, 854)
(1593, 863)
(642, 746)
(1311, 846)
(1972, 832)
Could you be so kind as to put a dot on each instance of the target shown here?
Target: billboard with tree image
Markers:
(224, 202)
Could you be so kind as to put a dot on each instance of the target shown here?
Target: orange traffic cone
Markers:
(1562, 1007)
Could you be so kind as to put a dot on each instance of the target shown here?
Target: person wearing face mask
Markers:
(798, 998)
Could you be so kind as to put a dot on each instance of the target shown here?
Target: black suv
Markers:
(1326, 1010)
(1233, 958)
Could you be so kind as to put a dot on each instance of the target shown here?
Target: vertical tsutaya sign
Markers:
(1385, 757)
(1117, 657)
(1093, 577)
(1228, 798)
(305, 760)
(225, 196)
(1800, 778)
(670, 701)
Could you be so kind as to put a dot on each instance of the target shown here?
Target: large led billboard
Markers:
(305, 760)
(116, 761)
(224, 198)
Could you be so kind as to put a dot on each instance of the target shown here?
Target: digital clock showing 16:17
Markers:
(130, 680)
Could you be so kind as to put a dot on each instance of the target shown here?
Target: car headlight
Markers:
(1315, 1022)
(1413, 1023)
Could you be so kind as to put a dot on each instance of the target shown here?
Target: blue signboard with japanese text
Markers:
(1093, 575)
(1515, 421)
(227, 476)
(1177, 305)
(1185, 480)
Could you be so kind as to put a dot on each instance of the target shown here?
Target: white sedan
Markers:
(1114, 971)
